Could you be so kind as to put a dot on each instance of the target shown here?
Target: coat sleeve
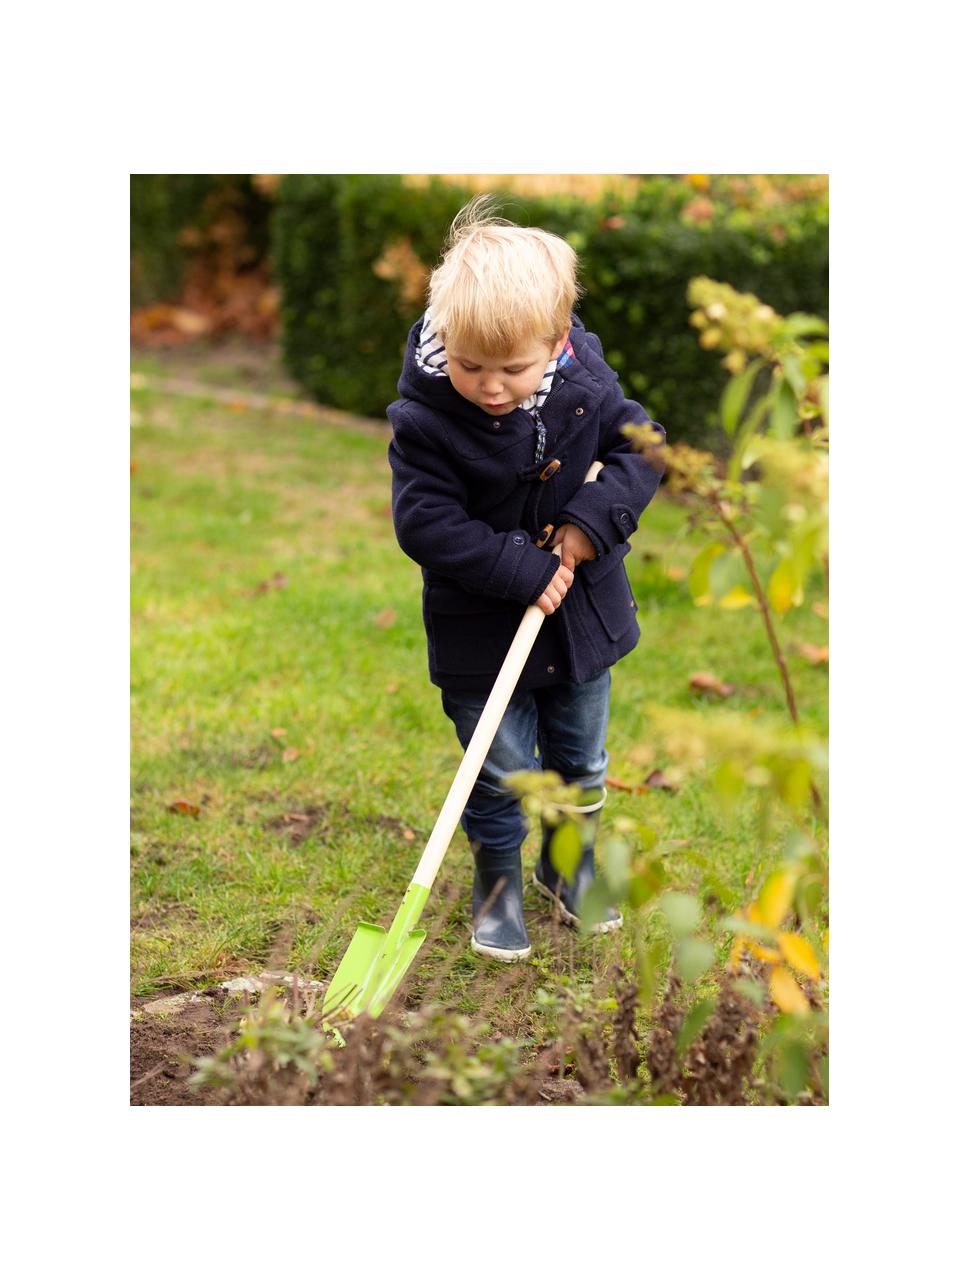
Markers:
(608, 510)
(434, 529)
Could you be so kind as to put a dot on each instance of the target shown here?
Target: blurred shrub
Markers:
(352, 254)
(177, 217)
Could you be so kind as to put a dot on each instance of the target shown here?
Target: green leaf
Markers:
(565, 849)
(735, 396)
(616, 863)
(794, 374)
(698, 579)
(800, 323)
(682, 911)
(593, 905)
(797, 845)
(693, 1024)
(640, 890)
(754, 991)
(793, 1065)
(694, 958)
(646, 837)
(751, 424)
(783, 414)
(665, 1100)
(725, 572)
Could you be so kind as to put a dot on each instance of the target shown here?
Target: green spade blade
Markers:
(376, 960)
(346, 990)
(391, 975)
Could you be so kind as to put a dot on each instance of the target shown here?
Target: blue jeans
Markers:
(566, 723)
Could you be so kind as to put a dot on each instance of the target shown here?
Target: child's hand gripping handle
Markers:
(484, 734)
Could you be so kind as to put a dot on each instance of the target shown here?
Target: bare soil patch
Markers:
(161, 1047)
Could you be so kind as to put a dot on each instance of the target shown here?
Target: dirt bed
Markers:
(162, 1044)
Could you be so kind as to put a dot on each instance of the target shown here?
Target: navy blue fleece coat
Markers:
(468, 503)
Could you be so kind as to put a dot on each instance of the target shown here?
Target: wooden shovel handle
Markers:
(483, 735)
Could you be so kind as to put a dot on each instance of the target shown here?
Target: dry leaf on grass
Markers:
(654, 781)
(277, 582)
(706, 682)
(386, 618)
(815, 653)
(278, 733)
(290, 754)
(657, 779)
(184, 806)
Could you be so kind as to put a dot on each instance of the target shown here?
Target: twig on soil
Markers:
(149, 1076)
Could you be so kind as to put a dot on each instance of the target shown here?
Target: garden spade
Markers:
(377, 959)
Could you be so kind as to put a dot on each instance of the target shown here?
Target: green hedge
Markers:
(344, 327)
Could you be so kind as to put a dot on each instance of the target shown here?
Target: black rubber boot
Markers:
(548, 881)
(498, 928)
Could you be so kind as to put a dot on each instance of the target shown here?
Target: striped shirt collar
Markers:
(432, 359)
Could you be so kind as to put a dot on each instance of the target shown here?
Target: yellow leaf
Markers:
(774, 899)
(736, 598)
(782, 587)
(798, 952)
(736, 953)
(769, 954)
(785, 992)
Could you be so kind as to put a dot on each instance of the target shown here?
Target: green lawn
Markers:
(333, 654)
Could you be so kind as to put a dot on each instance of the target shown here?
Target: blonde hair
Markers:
(501, 286)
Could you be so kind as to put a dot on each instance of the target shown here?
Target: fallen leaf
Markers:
(277, 583)
(656, 780)
(676, 572)
(819, 607)
(660, 780)
(391, 688)
(289, 755)
(184, 806)
(618, 785)
(386, 618)
(408, 834)
(706, 682)
(815, 653)
(278, 733)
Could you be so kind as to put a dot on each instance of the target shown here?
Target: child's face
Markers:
(499, 385)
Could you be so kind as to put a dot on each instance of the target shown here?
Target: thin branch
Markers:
(767, 620)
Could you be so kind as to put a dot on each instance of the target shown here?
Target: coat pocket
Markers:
(470, 634)
(607, 588)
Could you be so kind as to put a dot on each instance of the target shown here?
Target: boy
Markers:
(506, 402)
